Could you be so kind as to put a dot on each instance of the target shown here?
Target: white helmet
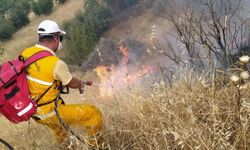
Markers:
(48, 27)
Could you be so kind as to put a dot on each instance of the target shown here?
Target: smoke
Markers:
(134, 66)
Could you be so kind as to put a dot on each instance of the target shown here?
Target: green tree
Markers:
(13, 15)
(98, 16)
(90, 4)
(35, 8)
(40, 7)
(19, 18)
(61, 1)
(22, 4)
(121, 4)
(5, 5)
(6, 29)
(84, 32)
(80, 41)
(19, 13)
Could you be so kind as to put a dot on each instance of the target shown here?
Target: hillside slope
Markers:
(30, 135)
(27, 35)
(20, 135)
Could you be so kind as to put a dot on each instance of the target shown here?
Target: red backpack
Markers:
(15, 101)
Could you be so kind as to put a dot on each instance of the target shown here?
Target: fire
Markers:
(113, 78)
(124, 61)
(106, 75)
(124, 52)
(132, 78)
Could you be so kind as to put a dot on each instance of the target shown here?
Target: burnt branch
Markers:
(214, 27)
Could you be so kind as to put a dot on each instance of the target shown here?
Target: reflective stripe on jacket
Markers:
(40, 75)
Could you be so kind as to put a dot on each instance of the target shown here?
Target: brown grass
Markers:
(139, 27)
(187, 116)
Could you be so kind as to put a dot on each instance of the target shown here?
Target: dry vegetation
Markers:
(186, 116)
(189, 115)
(186, 113)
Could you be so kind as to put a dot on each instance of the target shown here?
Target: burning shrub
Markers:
(107, 53)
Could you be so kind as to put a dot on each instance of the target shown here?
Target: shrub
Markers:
(80, 41)
(19, 13)
(121, 4)
(99, 17)
(6, 29)
(85, 31)
(61, 1)
(13, 15)
(19, 17)
(42, 7)
(22, 4)
(5, 5)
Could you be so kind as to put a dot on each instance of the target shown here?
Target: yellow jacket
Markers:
(40, 76)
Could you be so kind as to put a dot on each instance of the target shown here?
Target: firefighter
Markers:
(44, 78)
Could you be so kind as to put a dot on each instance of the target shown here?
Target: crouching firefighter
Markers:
(44, 77)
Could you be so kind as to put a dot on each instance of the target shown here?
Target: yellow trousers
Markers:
(85, 116)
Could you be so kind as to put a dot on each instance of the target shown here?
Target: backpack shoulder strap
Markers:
(36, 56)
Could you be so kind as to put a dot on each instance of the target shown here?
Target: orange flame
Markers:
(132, 78)
(124, 52)
(113, 78)
(106, 76)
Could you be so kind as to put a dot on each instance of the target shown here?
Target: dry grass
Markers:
(27, 35)
(138, 27)
(189, 115)
(186, 116)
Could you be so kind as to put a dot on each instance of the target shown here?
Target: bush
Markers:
(6, 29)
(13, 15)
(80, 41)
(35, 8)
(5, 5)
(42, 7)
(22, 4)
(19, 13)
(99, 17)
(19, 17)
(61, 1)
(121, 4)
(85, 31)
